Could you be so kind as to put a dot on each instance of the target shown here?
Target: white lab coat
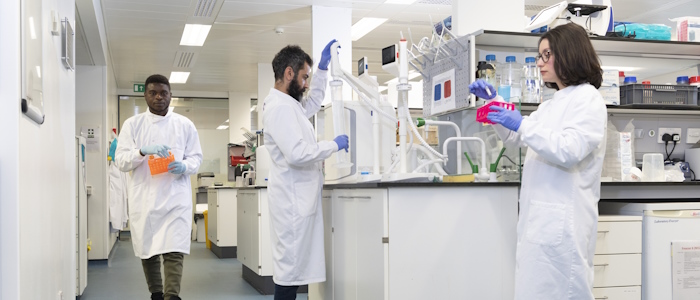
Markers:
(160, 206)
(295, 184)
(118, 213)
(559, 194)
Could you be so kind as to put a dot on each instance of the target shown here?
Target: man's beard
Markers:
(295, 89)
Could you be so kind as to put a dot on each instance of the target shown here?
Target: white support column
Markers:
(502, 15)
(239, 115)
(266, 81)
(328, 23)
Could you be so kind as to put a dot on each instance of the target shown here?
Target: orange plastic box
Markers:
(482, 112)
(160, 164)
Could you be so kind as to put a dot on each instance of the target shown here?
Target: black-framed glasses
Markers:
(544, 56)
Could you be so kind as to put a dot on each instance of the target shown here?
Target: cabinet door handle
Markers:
(601, 265)
(604, 231)
(602, 298)
(354, 197)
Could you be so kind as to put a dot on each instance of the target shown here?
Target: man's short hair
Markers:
(157, 78)
(290, 56)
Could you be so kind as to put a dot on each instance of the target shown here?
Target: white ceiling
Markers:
(143, 36)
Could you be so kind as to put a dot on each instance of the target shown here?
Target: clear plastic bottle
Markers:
(488, 71)
(509, 85)
(531, 82)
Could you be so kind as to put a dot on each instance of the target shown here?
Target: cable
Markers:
(511, 161)
(692, 178)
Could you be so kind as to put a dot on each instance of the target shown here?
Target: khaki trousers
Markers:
(172, 263)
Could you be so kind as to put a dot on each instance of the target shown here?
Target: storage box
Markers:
(609, 88)
(659, 94)
(687, 29)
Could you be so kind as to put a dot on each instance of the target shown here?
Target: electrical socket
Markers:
(693, 135)
(670, 131)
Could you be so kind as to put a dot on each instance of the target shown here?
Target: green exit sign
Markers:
(139, 87)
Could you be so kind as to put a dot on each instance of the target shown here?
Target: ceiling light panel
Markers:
(194, 34)
(364, 26)
(179, 77)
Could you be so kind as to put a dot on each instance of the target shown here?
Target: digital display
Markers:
(389, 55)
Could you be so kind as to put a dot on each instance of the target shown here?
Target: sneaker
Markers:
(157, 296)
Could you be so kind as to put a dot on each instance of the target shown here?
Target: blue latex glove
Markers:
(479, 88)
(342, 141)
(326, 56)
(177, 167)
(510, 119)
(160, 150)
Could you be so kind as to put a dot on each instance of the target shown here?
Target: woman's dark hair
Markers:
(290, 56)
(575, 60)
(157, 78)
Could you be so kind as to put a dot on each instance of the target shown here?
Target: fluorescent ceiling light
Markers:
(623, 69)
(179, 77)
(194, 34)
(222, 127)
(226, 121)
(400, 1)
(253, 108)
(411, 75)
(364, 26)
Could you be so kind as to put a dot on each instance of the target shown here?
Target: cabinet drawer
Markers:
(619, 238)
(617, 270)
(618, 293)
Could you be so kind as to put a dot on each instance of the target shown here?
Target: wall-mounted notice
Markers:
(443, 93)
(686, 270)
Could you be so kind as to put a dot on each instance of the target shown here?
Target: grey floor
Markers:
(204, 277)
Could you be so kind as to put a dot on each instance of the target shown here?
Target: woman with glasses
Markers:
(561, 173)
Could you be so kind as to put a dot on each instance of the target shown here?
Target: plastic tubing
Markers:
(371, 104)
(424, 164)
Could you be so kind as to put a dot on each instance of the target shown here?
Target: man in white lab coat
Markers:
(160, 206)
(296, 172)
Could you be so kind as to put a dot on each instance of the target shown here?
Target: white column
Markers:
(328, 23)
(239, 115)
(266, 81)
(501, 15)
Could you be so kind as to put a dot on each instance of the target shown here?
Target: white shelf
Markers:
(603, 45)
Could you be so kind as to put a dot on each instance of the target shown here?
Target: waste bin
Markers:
(206, 227)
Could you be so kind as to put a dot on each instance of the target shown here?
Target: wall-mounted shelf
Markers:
(603, 45)
(632, 110)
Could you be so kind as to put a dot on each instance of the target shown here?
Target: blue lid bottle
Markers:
(630, 79)
(682, 80)
(510, 59)
(530, 59)
(491, 57)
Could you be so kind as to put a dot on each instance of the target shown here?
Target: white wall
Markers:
(502, 15)
(239, 115)
(214, 147)
(266, 81)
(9, 153)
(91, 111)
(42, 262)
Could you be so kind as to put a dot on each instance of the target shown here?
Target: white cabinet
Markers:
(618, 258)
(254, 231)
(222, 222)
(419, 242)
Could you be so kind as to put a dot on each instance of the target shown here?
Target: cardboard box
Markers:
(687, 29)
(432, 138)
(609, 88)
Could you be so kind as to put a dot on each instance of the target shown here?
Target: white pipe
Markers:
(438, 166)
(376, 134)
(483, 173)
(403, 118)
(364, 98)
(458, 133)
(428, 162)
